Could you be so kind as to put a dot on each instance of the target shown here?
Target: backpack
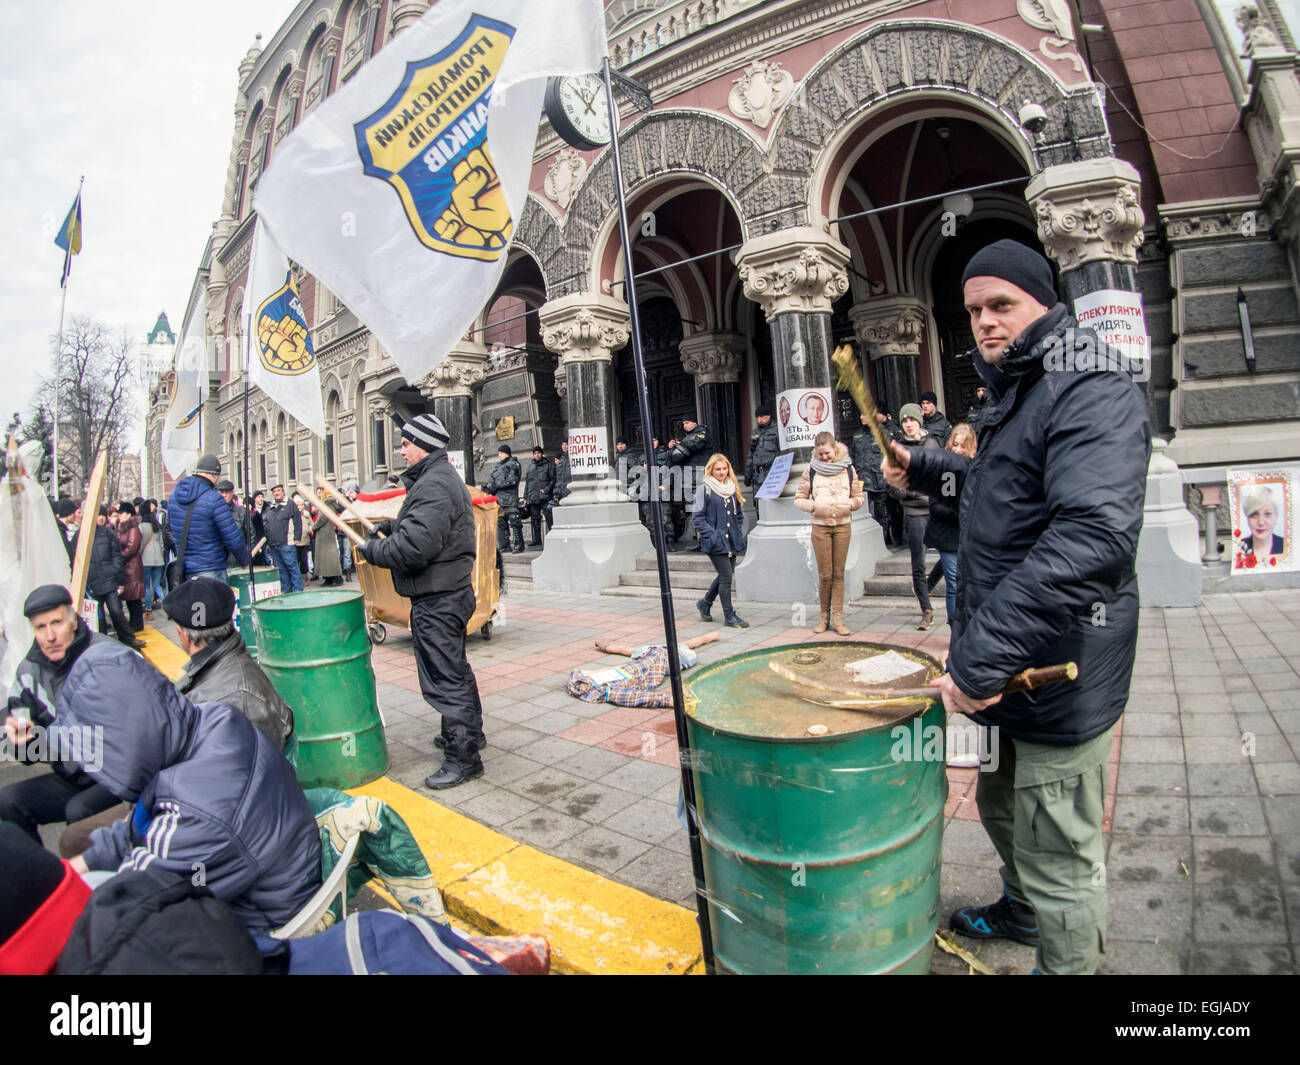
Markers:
(156, 923)
(380, 943)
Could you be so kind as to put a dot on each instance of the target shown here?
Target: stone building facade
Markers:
(813, 142)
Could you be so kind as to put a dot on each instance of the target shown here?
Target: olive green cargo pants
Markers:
(1042, 808)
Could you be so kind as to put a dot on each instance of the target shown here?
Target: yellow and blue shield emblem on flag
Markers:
(188, 419)
(283, 339)
(429, 141)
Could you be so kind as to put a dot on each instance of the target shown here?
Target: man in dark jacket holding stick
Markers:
(1051, 509)
(430, 548)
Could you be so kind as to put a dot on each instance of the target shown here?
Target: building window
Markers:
(379, 431)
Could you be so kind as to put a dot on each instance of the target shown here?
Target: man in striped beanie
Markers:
(430, 548)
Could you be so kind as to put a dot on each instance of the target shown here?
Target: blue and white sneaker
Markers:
(1005, 919)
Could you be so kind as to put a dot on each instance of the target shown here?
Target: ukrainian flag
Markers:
(69, 238)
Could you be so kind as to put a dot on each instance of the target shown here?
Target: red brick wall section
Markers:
(1177, 89)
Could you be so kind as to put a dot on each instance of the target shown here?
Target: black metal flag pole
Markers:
(661, 548)
(248, 513)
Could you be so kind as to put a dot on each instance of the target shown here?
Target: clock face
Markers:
(578, 110)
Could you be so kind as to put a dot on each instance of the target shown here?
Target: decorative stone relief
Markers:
(584, 327)
(1088, 211)
(713, 358)
(1256, 34)
(760, 92)
(564, 177)
(462, 371)
(561, 382)
(889, 326)
(796, 269)
(1053, 16)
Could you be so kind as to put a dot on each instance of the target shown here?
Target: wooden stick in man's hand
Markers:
(323, 507)
(850, 380)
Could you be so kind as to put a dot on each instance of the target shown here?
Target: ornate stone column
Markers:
(407, 11)
(715, 361)
(449, 387)
(890, 330)
(597, 533)
(797, 274)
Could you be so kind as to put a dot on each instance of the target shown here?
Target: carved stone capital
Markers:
(295, 85)
(406, 12)
(561, 381)
(378, 404)
(585, 327)
(462, 371)
(1088, 211)
(713, 358)
(889, 326)
(796, 269)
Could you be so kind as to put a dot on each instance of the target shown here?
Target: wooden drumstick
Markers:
(323, 507)
(850, 381)
(365, 523)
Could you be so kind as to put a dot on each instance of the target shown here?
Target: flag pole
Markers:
(58, 354)
(661, 548)
(248, 515)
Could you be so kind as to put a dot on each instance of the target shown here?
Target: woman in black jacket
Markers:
(106, 575)
(941, 532)
(916, 510)
(721, 527)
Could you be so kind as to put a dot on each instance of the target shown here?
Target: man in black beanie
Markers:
(1046, 556)
(430, 547)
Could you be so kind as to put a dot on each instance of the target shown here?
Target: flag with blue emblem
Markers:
(279, 354)
(181, 434)
(402, 190)
(69, 238)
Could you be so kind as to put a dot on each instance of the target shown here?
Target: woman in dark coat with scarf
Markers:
(721, 527)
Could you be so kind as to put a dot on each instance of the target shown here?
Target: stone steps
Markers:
(893, 576)
(690, 574)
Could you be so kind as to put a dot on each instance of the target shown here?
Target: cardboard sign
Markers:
(264, 590)
(457, 460)
(802, 413)
(90, 613)
(777, 475)
(1118, 319)
(588, 450)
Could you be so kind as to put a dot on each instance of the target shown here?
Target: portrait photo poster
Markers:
(1261, 504)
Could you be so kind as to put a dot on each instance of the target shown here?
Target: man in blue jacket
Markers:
(1050, 510)
(214, 801)
(213, 533)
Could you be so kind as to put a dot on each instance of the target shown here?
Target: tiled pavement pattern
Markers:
(1204, 841)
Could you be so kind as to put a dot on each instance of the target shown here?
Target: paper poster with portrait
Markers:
(802, 413)
(1262, 502)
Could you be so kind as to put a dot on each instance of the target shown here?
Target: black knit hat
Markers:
(65, 507)
(426, 431)
(930, 397)
(1022, 266)
(46, 597)
(504, 449)
(764, 411)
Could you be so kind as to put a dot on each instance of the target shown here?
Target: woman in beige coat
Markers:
(830, 491)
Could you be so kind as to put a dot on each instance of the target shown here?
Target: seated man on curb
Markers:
(213, 799)
(66, 794)
(220, 670)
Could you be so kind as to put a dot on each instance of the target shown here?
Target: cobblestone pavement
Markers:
(1203, 805)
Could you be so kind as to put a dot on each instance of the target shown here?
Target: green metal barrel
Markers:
(314, 647)
(821, 828)
(267, 582)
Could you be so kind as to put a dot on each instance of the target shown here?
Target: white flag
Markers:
(389, 192)
(181, 434)
(277, 343)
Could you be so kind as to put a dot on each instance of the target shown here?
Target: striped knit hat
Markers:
(426, 431)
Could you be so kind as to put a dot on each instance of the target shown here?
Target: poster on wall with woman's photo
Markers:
(1262, 503)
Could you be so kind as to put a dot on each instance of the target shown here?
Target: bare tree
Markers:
(96, 401)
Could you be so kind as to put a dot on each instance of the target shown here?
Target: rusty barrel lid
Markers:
(744, 695)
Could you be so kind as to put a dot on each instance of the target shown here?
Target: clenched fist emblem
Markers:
(284, 344)
(478, 215)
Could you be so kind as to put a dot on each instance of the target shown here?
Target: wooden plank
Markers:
(86, 534)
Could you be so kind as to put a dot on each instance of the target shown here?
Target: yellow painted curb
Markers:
(499, 886)
(162, 653)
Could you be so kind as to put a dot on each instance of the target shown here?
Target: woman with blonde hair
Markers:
(1260, 509)
(721, 527)
(941, 531)
(830, 491)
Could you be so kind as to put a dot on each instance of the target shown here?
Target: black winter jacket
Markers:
(1051, 510)
(867, 459)
(562, 475)
(915, 504)
(503, 482)
(719, 521)
(212, 797)
(693, 449)
(36, 686)
(107, 567)
(539, 485)
(278, 519)
(431, 545)
(764, 446)
(938, 427)
(225, 672)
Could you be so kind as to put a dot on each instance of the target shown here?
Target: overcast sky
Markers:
(139, 97)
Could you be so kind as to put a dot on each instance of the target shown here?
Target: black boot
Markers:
(462, 761)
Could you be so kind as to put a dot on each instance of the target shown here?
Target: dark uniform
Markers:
(938, 427)
(866, 460)
(764, 446)
(539, 486)
(504, 484)
(893, 508)
(691, 452)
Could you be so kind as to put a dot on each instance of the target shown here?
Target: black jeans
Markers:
(721, 586)
(916, 524)
(446, 680)
(111, 604)
(49, 799)
(510, 529)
